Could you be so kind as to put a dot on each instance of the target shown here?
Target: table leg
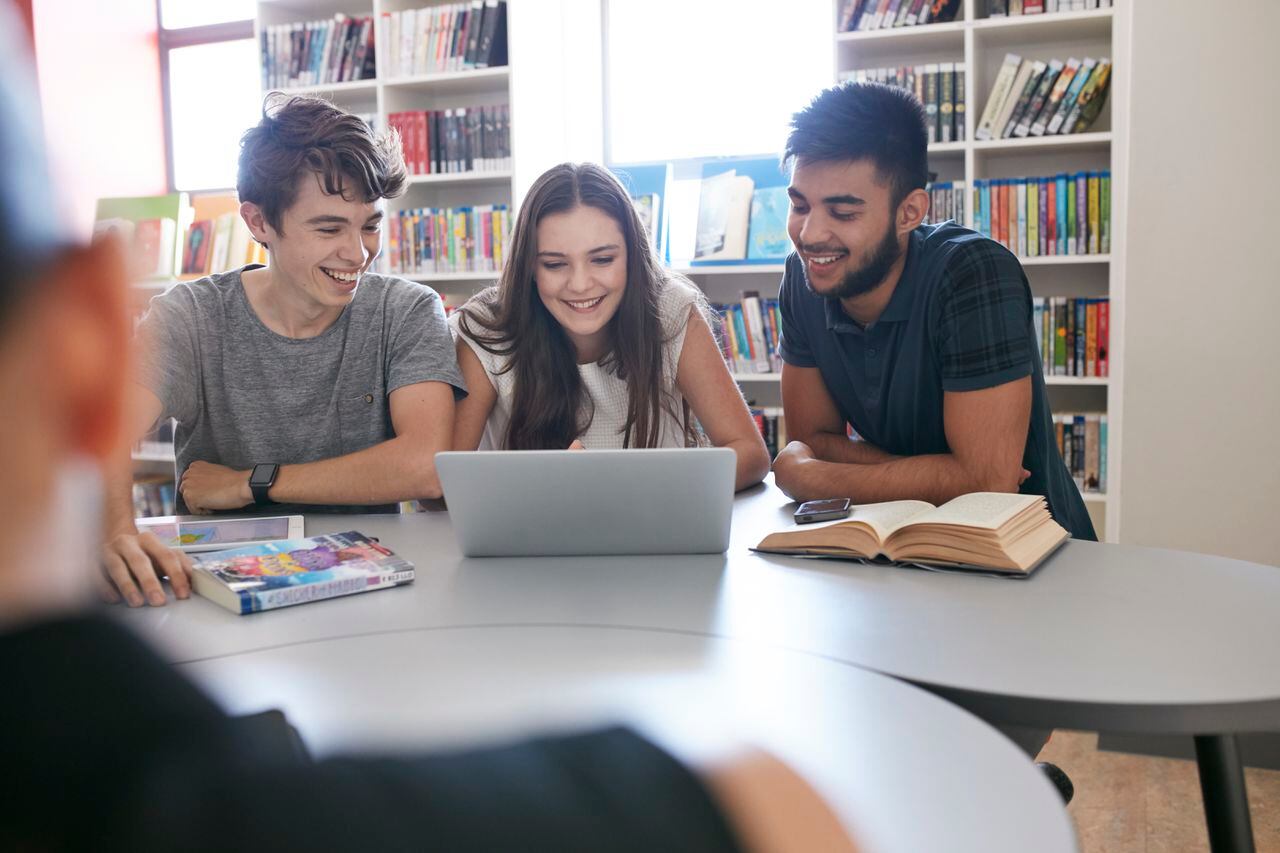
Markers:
(1226, 805)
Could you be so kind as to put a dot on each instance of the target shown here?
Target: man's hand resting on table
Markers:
(132, 564)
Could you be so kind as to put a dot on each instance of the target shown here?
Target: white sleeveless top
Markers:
(604, 393)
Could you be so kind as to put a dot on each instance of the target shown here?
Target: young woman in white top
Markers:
(587, 341)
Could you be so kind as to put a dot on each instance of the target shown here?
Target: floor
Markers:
(1140, 804)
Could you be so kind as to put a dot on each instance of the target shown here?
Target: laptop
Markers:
(541, 503)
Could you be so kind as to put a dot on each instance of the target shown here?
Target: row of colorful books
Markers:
(446, 240)
(1001, 8)
(1082, 441)
(939, 86)
(149, 243)
(154, 496)
(449, 37)
(947, 201)
(1031, 97)
(463, 139)
(1059, 215)
(773, 428)
(751, 329)
(863, 15)
(218, 245)
(1074, 335)
(315, 52)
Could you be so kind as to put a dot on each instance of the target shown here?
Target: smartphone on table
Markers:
(824, 510)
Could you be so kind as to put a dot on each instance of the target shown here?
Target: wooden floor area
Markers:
(1140, 804)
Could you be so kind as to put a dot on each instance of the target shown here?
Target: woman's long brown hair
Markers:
(513, 323)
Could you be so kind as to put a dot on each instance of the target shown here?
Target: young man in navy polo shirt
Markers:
(919, 337)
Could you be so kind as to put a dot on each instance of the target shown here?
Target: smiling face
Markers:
(843, 225)
(581, 274)
(325, 243)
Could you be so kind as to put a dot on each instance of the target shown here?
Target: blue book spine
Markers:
(1061, 180)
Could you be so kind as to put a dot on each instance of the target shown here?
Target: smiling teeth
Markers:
(823, 259)
(342, 276)
(588, 303)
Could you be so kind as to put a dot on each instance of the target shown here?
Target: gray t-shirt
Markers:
(242, 394)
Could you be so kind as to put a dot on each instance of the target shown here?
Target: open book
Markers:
(988, 531)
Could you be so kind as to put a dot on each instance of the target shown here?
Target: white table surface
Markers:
(903, 769)
(1102, 637)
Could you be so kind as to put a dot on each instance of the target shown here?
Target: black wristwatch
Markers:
(261, 479)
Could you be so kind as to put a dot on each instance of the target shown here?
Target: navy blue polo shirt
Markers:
(960, 319)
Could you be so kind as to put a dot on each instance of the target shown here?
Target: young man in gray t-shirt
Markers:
(310, 381)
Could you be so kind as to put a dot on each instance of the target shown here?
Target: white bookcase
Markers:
(980, 43)
(382, 96)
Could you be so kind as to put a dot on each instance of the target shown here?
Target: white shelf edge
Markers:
(498, 72)
(743, 269)
(757, 377)
(1067, 140)
(920, 31)
(1095, 381)
(152, 457)
(496, 177)
(1010, 23)
(430, 277)
(1062, 260)
(1047, 20)
(320, 88)
(1096, 497)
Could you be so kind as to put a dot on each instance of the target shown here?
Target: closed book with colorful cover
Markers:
(295, 571)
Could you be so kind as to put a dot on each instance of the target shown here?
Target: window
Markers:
(711, 78)
(209, 63)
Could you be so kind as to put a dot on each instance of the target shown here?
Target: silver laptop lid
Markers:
(566, 502)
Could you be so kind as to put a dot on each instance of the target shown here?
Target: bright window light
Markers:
(176, 14)
(213, 99)
(709, 78)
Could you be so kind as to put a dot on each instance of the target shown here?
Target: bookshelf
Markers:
(980, 42)
(386, 93)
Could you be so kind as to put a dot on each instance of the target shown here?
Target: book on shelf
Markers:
(1082, 441)
(864, 15)
(1073, 335)
(649, 209)
(195, 252)
(313, 53)
(999, 94)
(153, 247)
(296, 571)
(749, 333)
(154, 495)
(939, 87)
(767, 238)
(444, 38)
(1003, 8)
(1068, 214)
(724, 208)
(648, 185)
(947, 201)
(1044, 98)
(772, 424)
(454, 141)
(430, 240)
(984, 531)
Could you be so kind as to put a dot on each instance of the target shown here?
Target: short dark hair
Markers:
(865, 121)
(300, 135)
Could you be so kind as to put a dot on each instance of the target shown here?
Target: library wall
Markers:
(100, 94)
(1201, 385)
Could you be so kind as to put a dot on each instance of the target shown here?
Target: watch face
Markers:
(262, 474)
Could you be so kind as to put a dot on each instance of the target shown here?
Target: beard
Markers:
(871, 273)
